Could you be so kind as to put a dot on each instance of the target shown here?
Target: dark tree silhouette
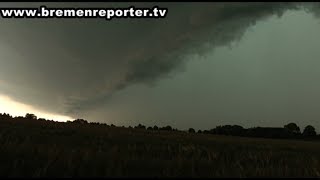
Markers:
(167, 128)
(149, 128)
(5, 115)
(80, 121)
(191, 130)
(155, 128)
(309, 131)
(30, 116)
(140, 126)
(41, 119)
(199, 131)
(293, 128)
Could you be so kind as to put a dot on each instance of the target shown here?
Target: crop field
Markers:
(33, 148)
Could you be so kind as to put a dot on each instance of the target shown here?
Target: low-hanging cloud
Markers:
(71, 65)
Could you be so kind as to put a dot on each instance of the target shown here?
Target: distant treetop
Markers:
(292, 127)
(309, 131)
(80, 121)
(30, 116)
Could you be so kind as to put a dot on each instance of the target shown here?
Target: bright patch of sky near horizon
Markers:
(7, 105)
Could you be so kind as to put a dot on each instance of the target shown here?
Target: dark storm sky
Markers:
(204, 65)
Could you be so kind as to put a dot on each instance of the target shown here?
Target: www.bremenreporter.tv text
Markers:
(107, 13)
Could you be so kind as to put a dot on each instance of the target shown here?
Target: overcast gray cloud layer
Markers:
(74, 66)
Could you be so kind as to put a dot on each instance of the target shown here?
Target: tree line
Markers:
(290, 130)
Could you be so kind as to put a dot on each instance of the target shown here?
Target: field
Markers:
(33, 148)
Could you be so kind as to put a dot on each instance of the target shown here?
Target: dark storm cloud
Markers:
(72, 65)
